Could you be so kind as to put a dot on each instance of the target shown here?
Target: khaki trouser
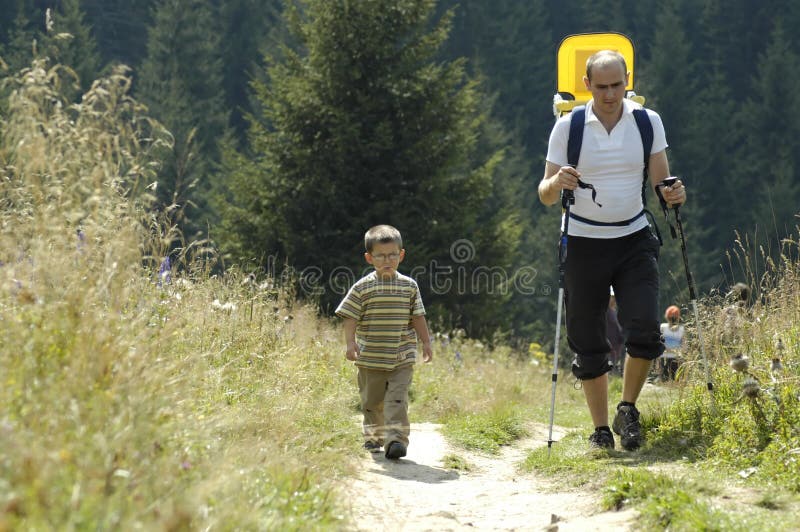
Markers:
(384, 402)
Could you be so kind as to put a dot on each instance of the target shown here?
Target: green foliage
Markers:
(19, 44)
(69, 42)
(454, 461)
(664, 503)
(777, 199)
(181, 82)
(124, 405)
(120, 28)
(360, 125)
(248, 27)
(567, 459)
(757, 431)
(720, 74)
(484, 432)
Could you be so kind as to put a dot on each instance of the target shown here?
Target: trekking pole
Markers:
(567, 199)
(689, 279)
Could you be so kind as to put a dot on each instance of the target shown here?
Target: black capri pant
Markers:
(630, 265)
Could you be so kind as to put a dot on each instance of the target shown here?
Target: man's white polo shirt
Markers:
(613, 163)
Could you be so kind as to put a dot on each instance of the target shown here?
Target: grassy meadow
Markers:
(130, 399)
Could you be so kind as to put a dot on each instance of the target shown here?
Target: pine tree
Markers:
(511, 44)
(68, 41)
(120, 28)
(181, 82)
(249, 27)
(772, 145)
(706, 141)
(604, 16)
(23, 37)
(362, 125)
(668, 81)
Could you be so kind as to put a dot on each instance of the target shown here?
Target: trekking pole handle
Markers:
(567, 196)
(668, 182)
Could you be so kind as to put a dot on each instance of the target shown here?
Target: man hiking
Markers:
(610, 242)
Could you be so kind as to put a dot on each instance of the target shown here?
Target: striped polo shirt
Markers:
(383, 310)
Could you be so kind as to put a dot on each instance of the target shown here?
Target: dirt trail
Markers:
(417, 493)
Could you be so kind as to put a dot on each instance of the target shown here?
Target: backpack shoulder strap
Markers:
(646, 131)
(577, 121)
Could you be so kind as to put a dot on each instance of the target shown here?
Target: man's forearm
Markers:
(548, 194)
(549, 190)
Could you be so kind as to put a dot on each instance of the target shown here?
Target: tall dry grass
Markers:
(751, 422)
(206, 402)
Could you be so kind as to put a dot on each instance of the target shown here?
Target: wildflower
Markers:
(81, 239)
(164, 272)
(750, 387)
(228, 307)
(740, 362)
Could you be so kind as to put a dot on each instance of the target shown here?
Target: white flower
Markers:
(228, 307)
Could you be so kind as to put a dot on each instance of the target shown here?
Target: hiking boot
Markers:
(601, 438)
(372, 446)
(626, 424)
(395, 450)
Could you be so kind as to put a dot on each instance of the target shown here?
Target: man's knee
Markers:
(645, 341)
(590, 367)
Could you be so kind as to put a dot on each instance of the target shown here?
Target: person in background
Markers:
(614, 334)
(673, 333)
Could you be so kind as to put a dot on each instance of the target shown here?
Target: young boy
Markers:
(383, 316)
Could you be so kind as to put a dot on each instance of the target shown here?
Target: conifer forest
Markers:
(296, 125)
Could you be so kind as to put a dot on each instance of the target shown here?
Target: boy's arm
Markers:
(421, 326)
(352, 352)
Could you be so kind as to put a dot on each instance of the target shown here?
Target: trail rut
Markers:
(418, 493)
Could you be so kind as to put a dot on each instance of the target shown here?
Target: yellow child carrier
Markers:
(573, 52)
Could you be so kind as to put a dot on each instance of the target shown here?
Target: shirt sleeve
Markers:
(351, 306)
(557, 146)
(417, 308)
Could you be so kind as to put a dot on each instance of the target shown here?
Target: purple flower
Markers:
(164, 272)
(81, 239)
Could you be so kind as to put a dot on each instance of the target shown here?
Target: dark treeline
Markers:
(295, 129)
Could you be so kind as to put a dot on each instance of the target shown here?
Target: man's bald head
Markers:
(604, 59)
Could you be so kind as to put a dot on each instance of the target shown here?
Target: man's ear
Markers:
(368, 257)
(589, 83)
(402, 255)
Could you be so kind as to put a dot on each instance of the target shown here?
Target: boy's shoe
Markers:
(601, 438)
(372, 446)
(395, 450)
(626, 424)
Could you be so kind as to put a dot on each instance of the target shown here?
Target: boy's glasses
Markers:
(383, 257)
